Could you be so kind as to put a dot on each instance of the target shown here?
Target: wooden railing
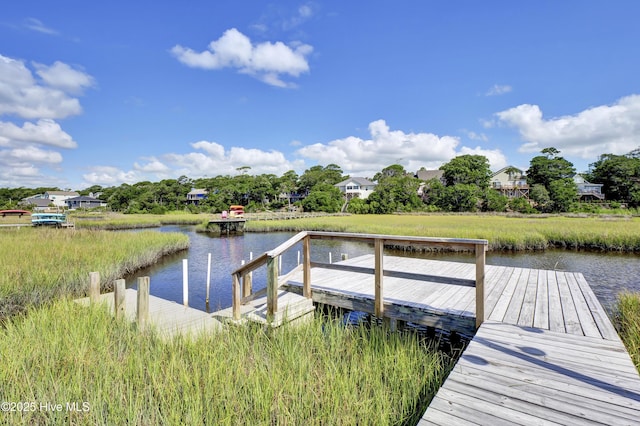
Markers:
(241, 277)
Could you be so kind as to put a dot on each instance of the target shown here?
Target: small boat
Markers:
(18, 213)
(48, 219)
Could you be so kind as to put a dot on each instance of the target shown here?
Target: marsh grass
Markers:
(604, 233)
(116, 221)
(627, 321)
(317, 373)
(41, 264)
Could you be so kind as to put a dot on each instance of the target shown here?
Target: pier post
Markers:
(185, 282)
(235, 296)
(480, 262)
(94, 286)
(208, 277)
(272, 286)
(379, 272)
(119, 298)
(306, 267)
(143, 302)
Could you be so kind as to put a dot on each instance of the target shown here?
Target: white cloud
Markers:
(37, 25)
(44, 132)
(362, 157)
(603, 129)
(23, 96)
(29, 154)
(153, 165)
(496, 158)
(498, 89)
(109, 176)
(476, 136)
(266, 61)
(62, 76)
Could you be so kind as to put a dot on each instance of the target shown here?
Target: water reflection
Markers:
(607, 273)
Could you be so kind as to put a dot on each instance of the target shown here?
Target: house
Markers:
(425, 176)
(36, 203)
(84, 202)
(196, 195)
(588, 191)
(510, 181)
(356, 187)
(58, 198)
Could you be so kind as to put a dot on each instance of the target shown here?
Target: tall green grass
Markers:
(40, 264)
(116, 221)
(503, 232)
(316, 373)
(627, 321)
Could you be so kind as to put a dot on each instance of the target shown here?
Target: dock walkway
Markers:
(168, 318)
(547, 353)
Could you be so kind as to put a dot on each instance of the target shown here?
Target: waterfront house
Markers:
(356, 187)
(196, 195)
(588, 191)
(510, 181)
(59, 198)
(84, 202)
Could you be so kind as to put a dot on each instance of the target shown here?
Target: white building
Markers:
(356, 187)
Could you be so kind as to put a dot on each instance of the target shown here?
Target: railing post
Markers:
(235, 296)
(480, 261)
(272, 286)
(306, 267)
(119, 295)
(379, 302)
(94, 286)
(143, 302)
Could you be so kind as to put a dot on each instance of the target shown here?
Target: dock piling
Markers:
(94, 286)
(119, 298)
(143, 302)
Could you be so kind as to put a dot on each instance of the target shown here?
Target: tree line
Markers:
(465, 187)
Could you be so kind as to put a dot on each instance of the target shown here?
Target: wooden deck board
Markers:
(513, 371)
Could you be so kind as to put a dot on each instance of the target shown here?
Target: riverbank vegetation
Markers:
(41, 264)
(513, 232)
(628, 324)
(117, 221)
(322, 371)
(464, 184)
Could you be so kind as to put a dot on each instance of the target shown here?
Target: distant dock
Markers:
(226, 226)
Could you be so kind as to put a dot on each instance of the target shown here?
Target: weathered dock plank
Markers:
(525, 375)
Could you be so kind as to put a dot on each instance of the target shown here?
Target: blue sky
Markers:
(125, 91)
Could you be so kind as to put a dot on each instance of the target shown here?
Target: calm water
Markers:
(608, 274)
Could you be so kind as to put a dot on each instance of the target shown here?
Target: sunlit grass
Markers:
(39, 264)
(317, 373)
(503, 232)
(628, 323)
(114, 221)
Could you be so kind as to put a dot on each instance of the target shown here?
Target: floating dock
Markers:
(226, 226)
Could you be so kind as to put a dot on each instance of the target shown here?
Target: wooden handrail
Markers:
(271, 258)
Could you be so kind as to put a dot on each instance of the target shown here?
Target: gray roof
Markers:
(359, 180)
(425, 175)
(83, 198)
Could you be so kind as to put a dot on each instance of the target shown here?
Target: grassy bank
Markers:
(319, 373)
(40, 264)
(503, 232)
(116, 221)
(628, 324)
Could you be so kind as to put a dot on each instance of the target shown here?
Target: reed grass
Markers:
(40, 264)
(117, 221)
(627, 321)
(606, 233)
(316, 373)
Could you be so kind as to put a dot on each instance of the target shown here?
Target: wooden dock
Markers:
(167, 318)
(226, 226)
(543, 350)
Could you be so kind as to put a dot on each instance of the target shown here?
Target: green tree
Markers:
(555, 174)
(460, 197)
(323, 198)
(396, 191)
(467, 169)
(620, 176)
(315, 175)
